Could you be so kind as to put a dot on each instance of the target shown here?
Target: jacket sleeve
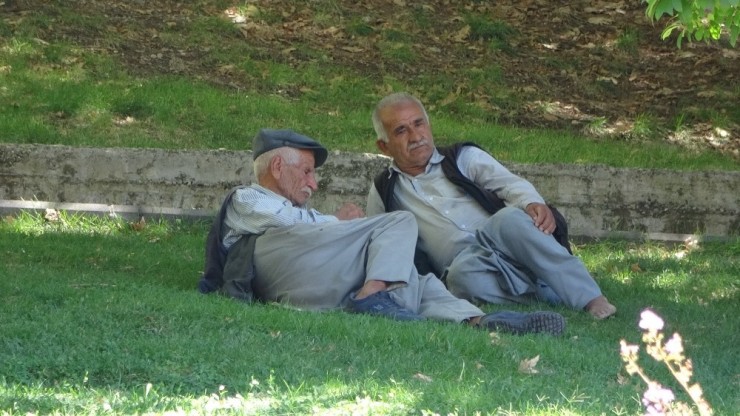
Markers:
(483, 169)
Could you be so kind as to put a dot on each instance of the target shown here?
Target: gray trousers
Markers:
(318, 266)
(514, 262)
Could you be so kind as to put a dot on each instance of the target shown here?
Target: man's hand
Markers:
(349, 211)
(542, 216)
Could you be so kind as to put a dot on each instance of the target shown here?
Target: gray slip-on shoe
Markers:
(524, 323)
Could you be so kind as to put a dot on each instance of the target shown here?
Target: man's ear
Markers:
(382, 146)
(276, 166)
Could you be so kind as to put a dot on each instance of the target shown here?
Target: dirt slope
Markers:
(595, 66)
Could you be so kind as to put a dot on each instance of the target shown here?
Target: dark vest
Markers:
(385, 181)
(228, 271)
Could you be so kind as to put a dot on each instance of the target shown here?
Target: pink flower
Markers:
(674, 346)
(627, 350)
(650, 321)
(657, 399)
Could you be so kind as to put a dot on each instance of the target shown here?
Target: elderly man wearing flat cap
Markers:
(315, 261)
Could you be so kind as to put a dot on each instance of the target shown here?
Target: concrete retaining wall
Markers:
(597, 200)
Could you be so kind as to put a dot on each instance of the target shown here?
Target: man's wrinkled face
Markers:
(410, 142)
(298, 181)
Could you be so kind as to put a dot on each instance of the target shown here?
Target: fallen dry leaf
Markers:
(451, 97)
(51, 215)
(691, 243)
(527, 366)
(600, 21)
(352, 49)
(139, 225)
(422, 377)
(462, 34)
(621, 379)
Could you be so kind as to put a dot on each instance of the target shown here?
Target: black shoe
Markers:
(381, 304)
(524, 323)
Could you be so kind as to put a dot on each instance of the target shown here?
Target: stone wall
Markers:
(597, 200)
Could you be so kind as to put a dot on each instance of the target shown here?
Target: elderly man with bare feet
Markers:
(347, 261)
(486, 231)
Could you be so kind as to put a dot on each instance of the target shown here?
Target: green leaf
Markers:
(668, 30)
(715, 31)
(699, 34)
(661, 7)
(678, 5)
(734, 32)
(705, 4)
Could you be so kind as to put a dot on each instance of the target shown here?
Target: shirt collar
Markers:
(272, 194)
(436, 159)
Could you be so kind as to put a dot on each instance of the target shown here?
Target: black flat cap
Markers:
(268, 139)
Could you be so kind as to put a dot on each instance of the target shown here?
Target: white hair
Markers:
(390, 100)
(290, 156)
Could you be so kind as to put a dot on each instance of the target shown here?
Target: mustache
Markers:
(422, 142)
(308, 191)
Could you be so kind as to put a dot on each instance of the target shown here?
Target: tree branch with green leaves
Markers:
(703, 20)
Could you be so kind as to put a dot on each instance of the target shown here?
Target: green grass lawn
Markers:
(100, 318)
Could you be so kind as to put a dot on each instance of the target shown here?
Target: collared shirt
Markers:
(254, 209)
(446, 215)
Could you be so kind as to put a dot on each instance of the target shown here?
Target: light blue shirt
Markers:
(255, 208)
(447, 216)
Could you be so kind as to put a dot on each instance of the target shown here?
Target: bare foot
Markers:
(600, 308)
(370, 287)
